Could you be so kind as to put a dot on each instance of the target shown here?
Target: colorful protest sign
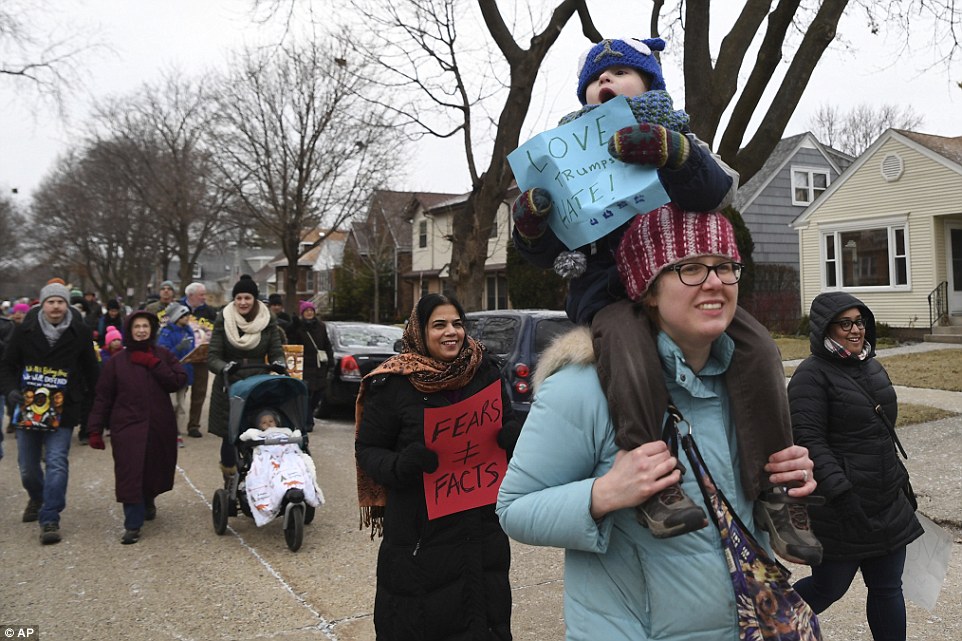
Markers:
(294, 357)
(593, 193)
(470, 463)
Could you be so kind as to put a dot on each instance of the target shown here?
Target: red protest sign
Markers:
(470, 463)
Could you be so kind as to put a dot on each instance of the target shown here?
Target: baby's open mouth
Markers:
(605, 95)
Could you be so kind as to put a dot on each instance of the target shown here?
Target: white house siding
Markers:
(926, 192)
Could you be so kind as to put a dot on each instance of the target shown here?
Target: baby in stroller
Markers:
(280, 470)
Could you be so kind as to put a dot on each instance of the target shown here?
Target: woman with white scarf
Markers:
(245, 332)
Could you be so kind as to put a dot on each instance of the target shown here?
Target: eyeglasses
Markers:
(846, 323)
(694, 274)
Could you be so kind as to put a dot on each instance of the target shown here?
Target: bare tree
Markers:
(417, 42)
(11, 230)
(298, 145)
(46, 61)
(853, 132)
(87, 221)
(796, 30)
(157, 140)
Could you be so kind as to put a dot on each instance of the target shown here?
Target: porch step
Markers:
(944, 337)
(949, 330)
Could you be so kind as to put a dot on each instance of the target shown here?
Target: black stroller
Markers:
(247, 397)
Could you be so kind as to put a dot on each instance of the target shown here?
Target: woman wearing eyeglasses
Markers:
(869, 518)
(571, 485)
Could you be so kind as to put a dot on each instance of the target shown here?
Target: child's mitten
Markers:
(649, 145)
(530, 213)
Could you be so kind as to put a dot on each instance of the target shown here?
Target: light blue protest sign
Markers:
(593, 193)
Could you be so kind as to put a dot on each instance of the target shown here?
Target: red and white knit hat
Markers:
(667, 236)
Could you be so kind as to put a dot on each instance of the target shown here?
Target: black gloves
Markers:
(414, 460)
(508, 437)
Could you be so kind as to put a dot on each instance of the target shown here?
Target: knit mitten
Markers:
(650, 146)
(530, 213)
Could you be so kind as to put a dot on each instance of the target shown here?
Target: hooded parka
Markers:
(849, 443)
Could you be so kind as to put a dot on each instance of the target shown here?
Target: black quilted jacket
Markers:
(849, 443)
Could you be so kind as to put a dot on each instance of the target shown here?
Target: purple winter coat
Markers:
(134, 403)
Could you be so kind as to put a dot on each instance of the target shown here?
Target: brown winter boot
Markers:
(670, 513)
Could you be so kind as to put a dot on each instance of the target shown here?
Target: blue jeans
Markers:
(885, 606)
(47, 484)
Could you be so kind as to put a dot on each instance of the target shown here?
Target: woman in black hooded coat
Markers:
(869, 518)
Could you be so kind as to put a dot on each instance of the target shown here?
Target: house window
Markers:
(423, 234)
(310, 281)
(807, 185)
(198, 272)
(497, 292)
(873, 257)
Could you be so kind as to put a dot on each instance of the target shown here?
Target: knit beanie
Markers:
(113, 303)
(623, 52)
(305, 304)
(54, 289)
(666, 236)
(275, 299)
(21, 308)
(175, 311)
(245, 285)
(168, 283)
(112, 334)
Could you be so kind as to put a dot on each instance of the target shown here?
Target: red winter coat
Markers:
(134, 403)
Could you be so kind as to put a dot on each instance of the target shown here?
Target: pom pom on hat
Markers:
(306, 304)
(245, 285)
(54, 289)
(621, 52)
(113, 334)
(666, 236)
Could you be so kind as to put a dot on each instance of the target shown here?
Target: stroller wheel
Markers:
(219, 511)
(294, 527)
(308, 514)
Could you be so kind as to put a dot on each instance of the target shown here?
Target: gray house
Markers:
(799, 169)
(796, 173)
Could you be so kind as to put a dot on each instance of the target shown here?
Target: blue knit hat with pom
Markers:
(622, 52)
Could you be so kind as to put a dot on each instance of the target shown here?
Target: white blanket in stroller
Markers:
(275, 469)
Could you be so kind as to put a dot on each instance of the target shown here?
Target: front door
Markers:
(954, 257)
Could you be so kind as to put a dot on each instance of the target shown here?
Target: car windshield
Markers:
(500, 334)
(547, 329)
(349, 336)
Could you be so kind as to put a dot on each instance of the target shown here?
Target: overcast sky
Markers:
(149, 36)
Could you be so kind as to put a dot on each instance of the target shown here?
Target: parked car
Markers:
(358, 349)
(517, 337)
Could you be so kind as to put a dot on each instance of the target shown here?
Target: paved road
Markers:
(182, 581)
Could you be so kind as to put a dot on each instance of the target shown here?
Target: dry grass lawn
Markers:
(912, 414)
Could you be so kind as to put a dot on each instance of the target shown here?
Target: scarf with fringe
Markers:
(427, 375)
(242, 333)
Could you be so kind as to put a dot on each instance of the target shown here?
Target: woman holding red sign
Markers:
(446, 577)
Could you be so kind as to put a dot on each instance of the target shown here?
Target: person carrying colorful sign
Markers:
(435, 430)
(629, 123)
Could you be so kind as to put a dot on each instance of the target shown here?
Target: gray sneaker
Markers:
(670, 513)
(32, 511)
(790, 531)
(50, 534)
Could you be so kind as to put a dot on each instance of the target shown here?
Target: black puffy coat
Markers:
(849, 443)
(442, 579)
